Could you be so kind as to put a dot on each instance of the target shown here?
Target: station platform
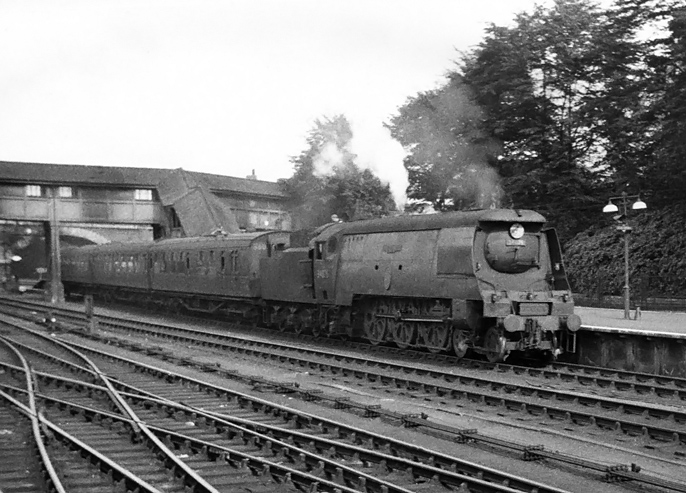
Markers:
(657, 323)
(653, 343)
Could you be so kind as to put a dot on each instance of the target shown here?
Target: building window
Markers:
(65, 192)
(143, 194)
(34, 191)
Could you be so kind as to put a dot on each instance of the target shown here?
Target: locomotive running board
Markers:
(412, 319)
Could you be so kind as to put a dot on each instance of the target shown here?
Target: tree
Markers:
(327, 181)
(449, 163)
(540, 84)
(667, 62)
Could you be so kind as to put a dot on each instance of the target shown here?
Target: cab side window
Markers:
(319, 250)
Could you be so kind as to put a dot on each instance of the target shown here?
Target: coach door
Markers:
(324, 257)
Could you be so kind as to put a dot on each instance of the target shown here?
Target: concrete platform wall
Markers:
(654, 354)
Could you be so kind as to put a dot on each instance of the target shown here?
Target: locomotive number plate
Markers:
(515, 243)
(533, 309)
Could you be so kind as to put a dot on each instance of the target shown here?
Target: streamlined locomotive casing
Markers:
(447, 280)
(407, 256)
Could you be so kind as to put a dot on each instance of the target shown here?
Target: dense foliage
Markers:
(327, 181)
(595, 258)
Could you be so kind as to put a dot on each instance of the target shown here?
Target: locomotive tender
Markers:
(491, 281)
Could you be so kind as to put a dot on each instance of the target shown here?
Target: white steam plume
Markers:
(373, 149)
(377, 151)
(329, 157)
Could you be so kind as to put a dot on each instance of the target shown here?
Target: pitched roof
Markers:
(70, 174)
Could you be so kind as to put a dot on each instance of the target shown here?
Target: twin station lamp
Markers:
(611, 207)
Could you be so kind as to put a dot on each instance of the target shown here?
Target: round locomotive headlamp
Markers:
(516, 231)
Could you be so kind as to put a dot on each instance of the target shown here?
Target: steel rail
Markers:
(610, 404)
(453, 478)
(133, 482)
(138, 426)
(162, 433)
(447, 463)
(35, 419)
(463, 435)
(257, 430)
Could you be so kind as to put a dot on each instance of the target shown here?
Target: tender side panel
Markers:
(288, 277)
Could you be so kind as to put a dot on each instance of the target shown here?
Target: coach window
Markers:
(188, 262)
(332, 245)
(223, 262)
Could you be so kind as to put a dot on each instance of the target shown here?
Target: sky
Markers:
(222, 87)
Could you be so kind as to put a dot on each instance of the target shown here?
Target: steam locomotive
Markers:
(487, 281)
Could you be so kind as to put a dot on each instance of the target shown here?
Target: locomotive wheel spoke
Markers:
(375, 329)
(404, 334)
(379, 330)
(437, 337)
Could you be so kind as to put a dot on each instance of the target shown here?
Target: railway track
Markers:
(628, 383)
(204, 437)
(662, 422)
(417, 421)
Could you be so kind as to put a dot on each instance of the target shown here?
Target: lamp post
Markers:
(626, 229)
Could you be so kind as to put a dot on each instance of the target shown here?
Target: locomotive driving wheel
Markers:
(436, 337)
(494, 345)
(404, 334)
(376, 332)
(300, 328)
